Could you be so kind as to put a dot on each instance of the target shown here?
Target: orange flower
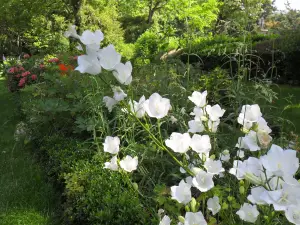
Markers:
(65, 68)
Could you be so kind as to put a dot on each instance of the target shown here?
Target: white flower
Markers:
(122, 73)
(213, 205)
(119, 94)
(179, 142)
(264, 138)
(248, 213)
(79, 47)
(256, 196)
(173, 119)
(282, 198)
(200, 144)
(71, 32)
(111, 145)
(248, 142)
(182, 192)
(92, 39)
(249, 115)
(138, 107)
(109, 57)
(88, 64)
(197, 112)
(129, 164)
(240, 154)
(160, 212)
(194, 219)
(214, 112)
(157, 106)
(198, 98)
(213, 125)
(203, 181)
(195, 126)
(109, 102)
(292, 213)
(112, 165)
(262, 125)
(165, 220)
(280, 162)
(225, 156)
(213, 166)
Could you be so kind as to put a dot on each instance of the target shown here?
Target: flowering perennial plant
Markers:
(269, 169)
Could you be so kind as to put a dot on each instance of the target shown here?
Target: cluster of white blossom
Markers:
(272, 174)
(111, 145)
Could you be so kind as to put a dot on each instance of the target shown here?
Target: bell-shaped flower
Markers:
(256, 196)
(122, 73)
(112, 165)
(213, 205)
(88, 64)
(157, 106)
(203, 181)
(119, 94)
(248, 142)
(213, 125)
(214, 112)
(292, 213)
(264, 139)
(182, 192)
(249, 115)
(109, 57)
(111, 145)
(280, 162)
(197, 112)
(179, 142)
(165, 220)
(138, 107)
(248, 213)
(198, 98)
(262, 125)
(129, 164)
(71, 32)
(195, 126)
(213, 166)
(194, 219)
(200, 144)
(92, 39)
(282, 198)
(109, 102)
(225, 156)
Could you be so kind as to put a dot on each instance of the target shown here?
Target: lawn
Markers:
(26, 198)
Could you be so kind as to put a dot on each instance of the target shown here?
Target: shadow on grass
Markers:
(25, 196)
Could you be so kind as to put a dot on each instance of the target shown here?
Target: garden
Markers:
(168, 112)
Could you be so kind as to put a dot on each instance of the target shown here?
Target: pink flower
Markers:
(18, 75)
(25, 74)
(21, 68)
(33, 77)
(42, 66)
(26, 56)
(53, 60)
(22, 82)
(13, 70)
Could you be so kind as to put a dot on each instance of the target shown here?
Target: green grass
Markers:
(26, 198)
(288, 96)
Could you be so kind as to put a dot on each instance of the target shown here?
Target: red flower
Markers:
(33, 77)
(13, 70)
(22, 82)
